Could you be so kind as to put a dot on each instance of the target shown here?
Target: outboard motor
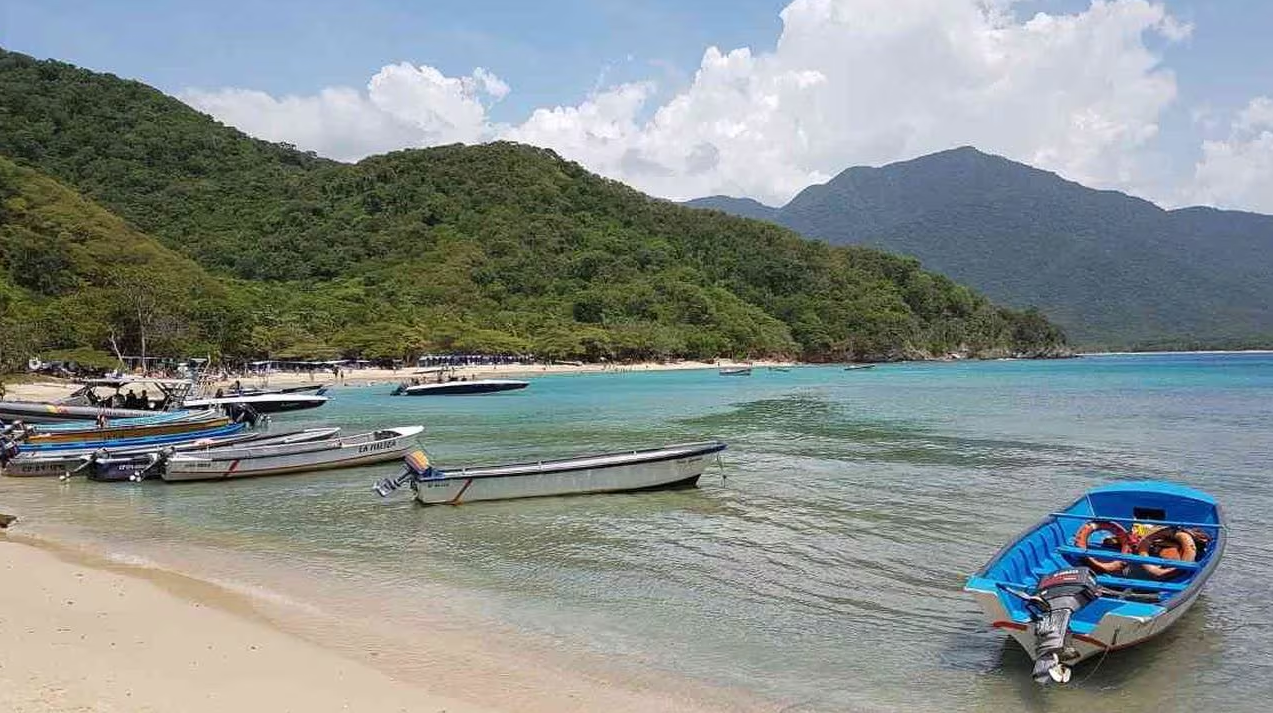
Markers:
(8, 451)
(1054, 602)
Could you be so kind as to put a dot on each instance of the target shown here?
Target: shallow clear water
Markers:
(825, 570)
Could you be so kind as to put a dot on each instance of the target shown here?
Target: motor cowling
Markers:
(1059, 595)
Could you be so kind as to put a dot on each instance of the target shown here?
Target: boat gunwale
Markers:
(679, 451)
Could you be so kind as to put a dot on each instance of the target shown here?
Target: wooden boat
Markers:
(37, 437)
(261, 403)
(676, 466)
(211, 430)
(462, 388)
(1066, 596)
(735, 371)
(364, 449)
(139, 466)
(82, 426)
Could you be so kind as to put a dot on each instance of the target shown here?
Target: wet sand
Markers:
(83, 634)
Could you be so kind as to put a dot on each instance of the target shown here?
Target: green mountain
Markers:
(499, 247)
(74, 275)
(1113, 270)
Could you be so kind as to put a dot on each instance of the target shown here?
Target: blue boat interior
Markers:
(1050, 546)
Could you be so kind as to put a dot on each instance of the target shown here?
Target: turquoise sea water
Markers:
(824, 570)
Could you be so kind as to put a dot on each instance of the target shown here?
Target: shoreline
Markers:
(176, 641)
(53, 389)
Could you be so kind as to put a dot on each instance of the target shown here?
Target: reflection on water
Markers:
(822, 565)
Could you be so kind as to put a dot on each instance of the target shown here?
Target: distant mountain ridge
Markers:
(1113, 269)
(105, 184)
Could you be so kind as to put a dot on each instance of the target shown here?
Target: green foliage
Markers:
(493, 248)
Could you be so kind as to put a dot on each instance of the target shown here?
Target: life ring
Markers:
(1167, 543)
(1120, 533)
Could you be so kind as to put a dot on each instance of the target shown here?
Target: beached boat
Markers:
(1119, 565)
(139, 466)
(677, 466)
(735, 371)
(364, 449)
(82, 426)
(154, 439)
(260, 403)
(461, 388)
(201, 422)
(42, 412)
(68, 462)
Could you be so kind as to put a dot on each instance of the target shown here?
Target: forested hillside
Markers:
(1114, 270)
(499, 247)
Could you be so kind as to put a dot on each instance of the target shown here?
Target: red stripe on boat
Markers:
(456, 500)
(1010, 625)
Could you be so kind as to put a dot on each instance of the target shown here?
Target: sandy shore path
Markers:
(81, 639)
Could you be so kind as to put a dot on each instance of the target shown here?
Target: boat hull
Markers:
(465, 388)
(262, 403)
(294, 458)
(1114, 632)
(125, 467)
(580, 476)
(30, 412)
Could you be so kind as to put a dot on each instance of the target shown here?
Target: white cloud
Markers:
(849, 82)
(403, 105)
(1237, 172)
(871, 81)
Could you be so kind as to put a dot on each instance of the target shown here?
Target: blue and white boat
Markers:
(90, 442)
(1118, 566)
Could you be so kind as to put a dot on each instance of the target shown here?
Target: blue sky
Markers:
(562, 52)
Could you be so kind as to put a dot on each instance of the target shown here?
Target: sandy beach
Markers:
(53, 389)
(84, 634)
(83, 639)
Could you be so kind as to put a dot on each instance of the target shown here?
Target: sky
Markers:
(1170, 100)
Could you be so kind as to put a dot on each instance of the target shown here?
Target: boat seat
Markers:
(1134, 559)
(1148, 585)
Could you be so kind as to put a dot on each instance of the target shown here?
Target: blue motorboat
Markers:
(1120, 565)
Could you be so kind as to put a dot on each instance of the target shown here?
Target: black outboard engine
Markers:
(1055, 600)
(8, 451)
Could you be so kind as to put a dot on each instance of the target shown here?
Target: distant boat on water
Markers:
(461, 387)
(859, 367)
(779, 368)
(667, 467)
(735, 371)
